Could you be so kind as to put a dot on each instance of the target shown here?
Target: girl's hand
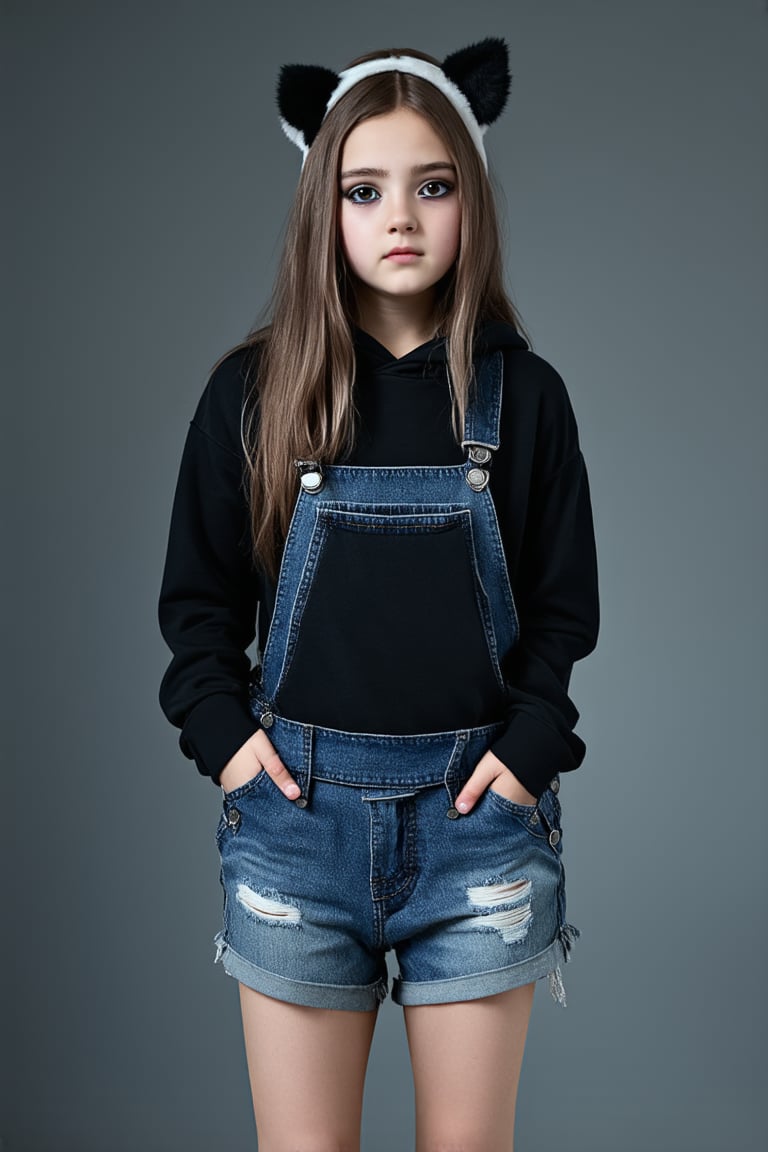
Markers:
(491, 773)
(257, 755)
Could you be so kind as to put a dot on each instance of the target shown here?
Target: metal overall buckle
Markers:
(310, 475)
(479, 455)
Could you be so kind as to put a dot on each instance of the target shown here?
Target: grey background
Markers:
(144, 191)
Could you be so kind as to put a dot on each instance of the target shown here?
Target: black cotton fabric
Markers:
(211, 593)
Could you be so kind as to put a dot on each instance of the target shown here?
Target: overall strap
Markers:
(483, 419)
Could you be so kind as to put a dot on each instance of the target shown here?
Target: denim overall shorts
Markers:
(374, 856)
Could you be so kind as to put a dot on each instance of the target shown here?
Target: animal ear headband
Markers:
(475, 79)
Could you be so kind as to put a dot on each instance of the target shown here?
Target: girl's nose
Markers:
(401, 218)
(402, 224)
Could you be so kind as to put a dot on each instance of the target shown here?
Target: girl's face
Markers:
(400, 217)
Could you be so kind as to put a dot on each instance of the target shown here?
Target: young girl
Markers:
(391, 481)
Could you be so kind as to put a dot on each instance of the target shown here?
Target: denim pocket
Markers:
(529, 815)
(231, 816)
(244, 789)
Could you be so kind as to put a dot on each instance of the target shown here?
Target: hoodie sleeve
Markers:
(556, 594)
(210, 591)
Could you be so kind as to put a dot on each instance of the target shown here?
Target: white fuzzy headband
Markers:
(476, 80)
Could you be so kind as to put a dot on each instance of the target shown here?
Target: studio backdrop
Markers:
(145, 189)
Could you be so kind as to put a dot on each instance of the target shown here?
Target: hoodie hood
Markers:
(373, 358)
(403, 405)
(496, 335)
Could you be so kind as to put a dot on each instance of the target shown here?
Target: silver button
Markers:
(267, 719)
(453, 813)
(312, 481)
(300, 801)
(554, 838)
(234, 817)
(477, 478)
(479, 455)
(555, 786)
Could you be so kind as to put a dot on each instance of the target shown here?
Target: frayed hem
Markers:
(568, 934)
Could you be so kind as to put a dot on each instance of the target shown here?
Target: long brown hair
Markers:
(300, 405)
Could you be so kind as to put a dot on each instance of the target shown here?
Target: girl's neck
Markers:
(399, 324)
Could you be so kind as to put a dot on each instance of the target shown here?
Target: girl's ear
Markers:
(303, 91)
(481, 71)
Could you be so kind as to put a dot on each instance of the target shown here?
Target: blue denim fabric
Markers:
(374, 855)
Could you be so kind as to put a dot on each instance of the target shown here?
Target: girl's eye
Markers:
(435, 189)
(362, 194)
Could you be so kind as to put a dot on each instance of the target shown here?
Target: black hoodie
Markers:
(211, 594)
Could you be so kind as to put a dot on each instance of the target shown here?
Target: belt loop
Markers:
(452, 778)
(307, 735)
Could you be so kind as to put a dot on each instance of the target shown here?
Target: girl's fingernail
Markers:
(292, 791)
(463, 806)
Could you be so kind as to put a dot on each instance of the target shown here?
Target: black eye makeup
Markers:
(362, 194)
(435, 189)
(367, 194)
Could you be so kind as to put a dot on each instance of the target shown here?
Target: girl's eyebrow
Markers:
(417, 170)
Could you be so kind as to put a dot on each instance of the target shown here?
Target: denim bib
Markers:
(432, 532)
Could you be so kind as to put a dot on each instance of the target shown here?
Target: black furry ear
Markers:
(303, 91)
(481, 71)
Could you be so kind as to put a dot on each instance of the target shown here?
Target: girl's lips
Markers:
(403, 255)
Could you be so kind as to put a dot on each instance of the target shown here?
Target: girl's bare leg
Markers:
(307, 1070)
(466, 1065)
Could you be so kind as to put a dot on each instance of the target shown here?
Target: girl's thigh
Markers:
(466, 1065)
(307, 1069)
